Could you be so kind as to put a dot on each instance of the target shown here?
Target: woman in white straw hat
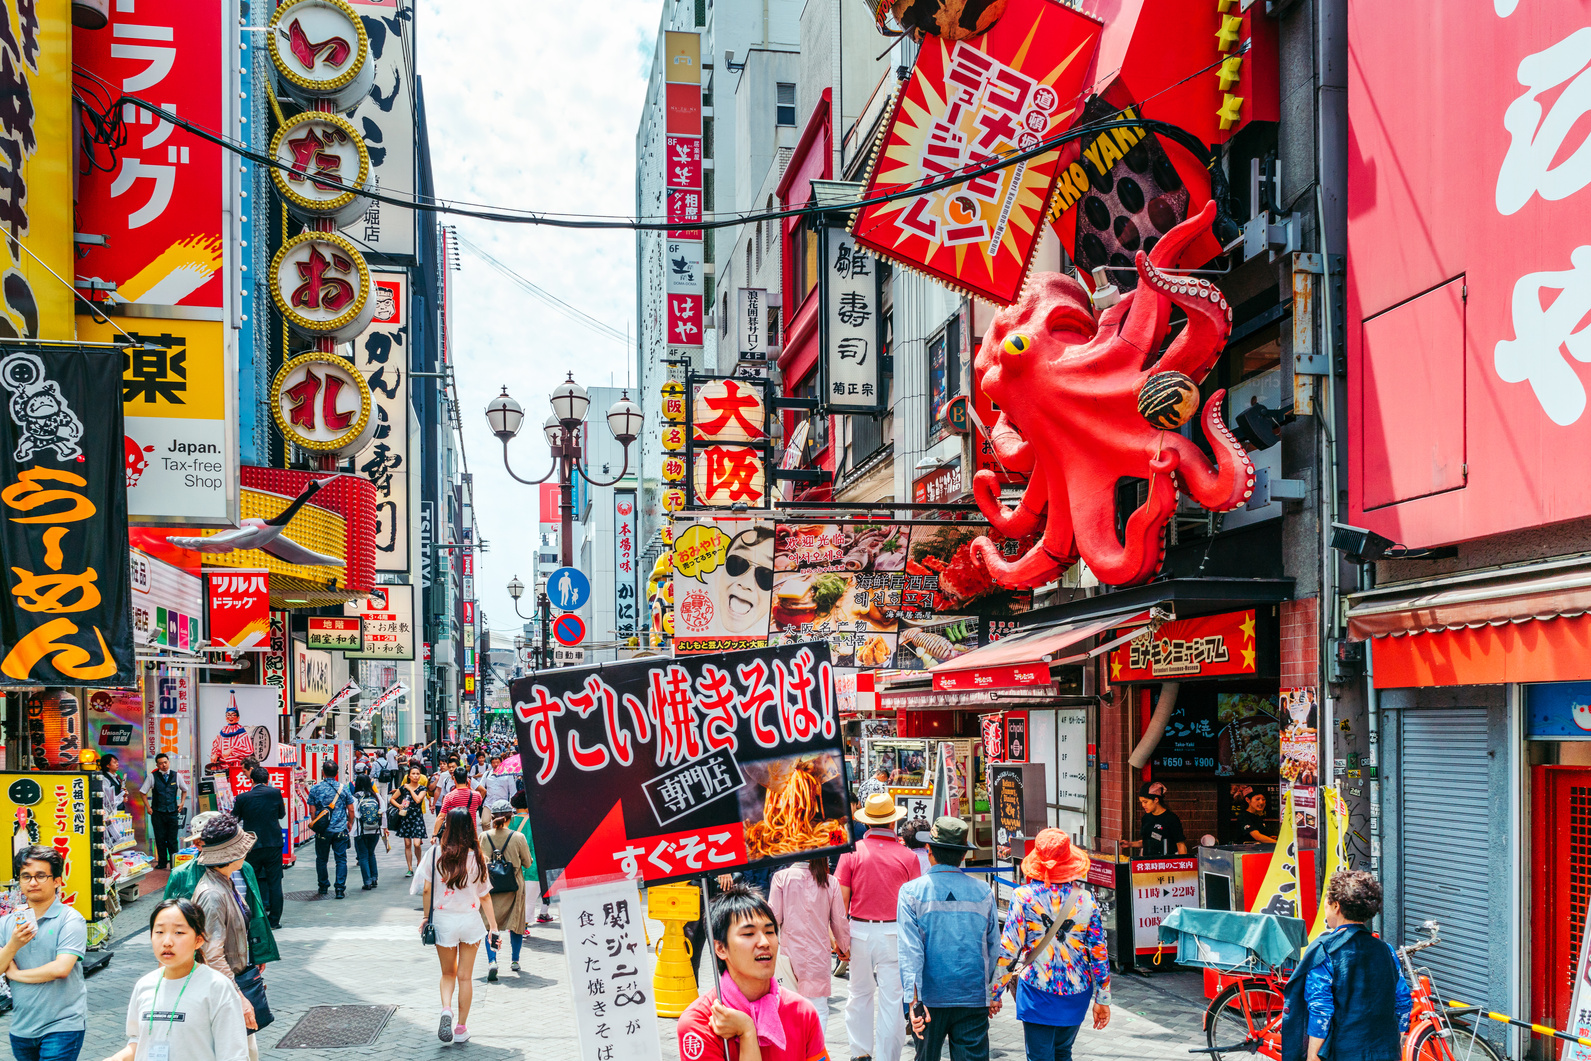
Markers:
(220, 896)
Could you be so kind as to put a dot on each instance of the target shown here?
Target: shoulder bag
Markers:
(428, 931)
(502, 875)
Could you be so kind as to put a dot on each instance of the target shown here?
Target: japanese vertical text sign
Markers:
(388, 628)
(660, 769)
(36, 138)
(970, 102)
(852, 327)
(626, 616)
(57, 810)
(382, 355)
(682, 176)
(240, 609)
(610, 974)
(753, 324)
(385, 118)
(159, 206)
(67, 619)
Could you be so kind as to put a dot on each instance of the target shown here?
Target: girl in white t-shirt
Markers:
(452, 876)
(184, 1010)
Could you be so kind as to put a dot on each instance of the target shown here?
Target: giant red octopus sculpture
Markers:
(1086, 402)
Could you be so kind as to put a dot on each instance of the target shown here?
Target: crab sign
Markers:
(1087, 402)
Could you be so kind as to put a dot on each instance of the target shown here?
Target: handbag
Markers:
(501, 874)
(428, 931)
(252, 985)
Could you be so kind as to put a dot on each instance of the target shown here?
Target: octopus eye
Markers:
(1016, 344)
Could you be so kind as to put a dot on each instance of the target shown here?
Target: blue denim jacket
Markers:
(949, 938)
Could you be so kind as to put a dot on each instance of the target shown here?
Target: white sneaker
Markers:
(514, 966)
(491, 972)
(444, 1029)
(461, 1034)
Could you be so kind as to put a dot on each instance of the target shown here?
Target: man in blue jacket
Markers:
(949, 940)
(1347, 1001)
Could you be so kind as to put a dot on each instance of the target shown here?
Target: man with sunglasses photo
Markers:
(744, 585)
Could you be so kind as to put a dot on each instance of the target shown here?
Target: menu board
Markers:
(1190, 742)
(905, 596)
(1228, 734)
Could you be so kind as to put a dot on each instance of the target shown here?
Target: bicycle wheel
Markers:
(1239, 1019)
(1462, 1045)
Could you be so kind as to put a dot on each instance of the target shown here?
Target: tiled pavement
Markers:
(366, 950)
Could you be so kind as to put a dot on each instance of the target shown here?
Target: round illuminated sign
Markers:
(668, 623)
(322, 403)
(321, 286)
(729, 410)
(673, 393)
(320, 52)
(316, 148)
(666, 532)
(673, 499)
(667, 589)
(673, 469)
(673, 437)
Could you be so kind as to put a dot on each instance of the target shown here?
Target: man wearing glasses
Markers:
(42, 957)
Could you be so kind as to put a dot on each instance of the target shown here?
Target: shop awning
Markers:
(1528, 623)
(1550, 590)
(1024, 659)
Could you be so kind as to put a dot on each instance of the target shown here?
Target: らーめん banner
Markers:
(662, 769)
(67, 617)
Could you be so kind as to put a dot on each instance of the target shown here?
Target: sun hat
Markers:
(499, 808)
(948, 833)
(880, 809)
(229, 850)
(196, 826)
(1053, 859)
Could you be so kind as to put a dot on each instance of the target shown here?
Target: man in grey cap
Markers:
(949, 940)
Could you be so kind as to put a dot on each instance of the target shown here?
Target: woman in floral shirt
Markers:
(1054, 985)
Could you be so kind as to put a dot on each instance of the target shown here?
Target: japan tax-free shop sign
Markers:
(664, 769)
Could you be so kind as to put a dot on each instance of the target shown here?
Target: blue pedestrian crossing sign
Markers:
(568, 589)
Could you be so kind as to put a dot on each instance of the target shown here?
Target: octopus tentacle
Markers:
(1195, 350)
(1013, 451)
(1138, 556)
(1231, 481)
(1011, 522)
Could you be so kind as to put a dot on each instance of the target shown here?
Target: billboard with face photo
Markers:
(723, 585)
(236, 721)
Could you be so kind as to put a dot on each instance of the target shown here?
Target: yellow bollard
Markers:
(673, 983)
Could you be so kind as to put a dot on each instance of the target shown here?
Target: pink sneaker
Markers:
(461, 1034)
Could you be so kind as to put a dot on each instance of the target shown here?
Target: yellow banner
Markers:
(1278, 893)
(55, 810)
(36, 171)
(1336, 814)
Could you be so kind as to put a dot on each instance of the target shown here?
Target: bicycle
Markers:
(1252, 1009)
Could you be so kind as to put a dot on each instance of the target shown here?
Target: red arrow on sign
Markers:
(609, 854)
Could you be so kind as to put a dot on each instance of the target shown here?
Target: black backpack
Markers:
(504, 877)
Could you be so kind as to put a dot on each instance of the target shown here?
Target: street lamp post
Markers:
(562, 429)
(516, 589)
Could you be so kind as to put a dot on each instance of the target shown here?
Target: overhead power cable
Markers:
(552, 300)
(990, 164)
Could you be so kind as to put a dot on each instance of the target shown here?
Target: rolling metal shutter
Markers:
(1446, 855)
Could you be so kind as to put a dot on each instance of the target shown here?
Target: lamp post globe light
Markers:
(569, 403)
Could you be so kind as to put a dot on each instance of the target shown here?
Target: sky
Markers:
(534, 107)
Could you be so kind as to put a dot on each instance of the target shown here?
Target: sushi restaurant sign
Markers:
(665, 769)
(1205, 647)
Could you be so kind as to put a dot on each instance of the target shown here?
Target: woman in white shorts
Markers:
(452, 876)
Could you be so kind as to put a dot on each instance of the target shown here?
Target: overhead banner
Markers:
(159, 203)
(852, 326)
(382, 354)
(969, 102)
(60, 811)
(723, 584)
(659, 769)
(68, 619)
(387, 623)
(385, 119)
(240, 609)
(168, 603)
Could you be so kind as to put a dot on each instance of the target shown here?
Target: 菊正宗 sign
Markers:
(662, 769)
(851, 325)
(1204, 647)
(67, 617)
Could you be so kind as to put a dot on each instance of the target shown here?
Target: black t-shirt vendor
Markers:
(1161, 833)
(1251, 821)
